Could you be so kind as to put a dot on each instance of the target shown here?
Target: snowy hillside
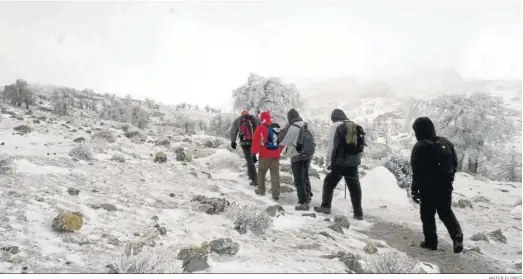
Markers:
(157, 199)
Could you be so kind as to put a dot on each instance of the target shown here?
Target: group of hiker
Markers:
(433, 163)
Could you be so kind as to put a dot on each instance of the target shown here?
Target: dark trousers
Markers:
(251, 169)
(353, 184)
(438, 202)
(300, 172)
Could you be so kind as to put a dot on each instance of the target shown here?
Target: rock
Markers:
(172, 195)
(313, 215)
(479, 237)
(79, 139)
(23, 129)
(336, 227)
(370, 248)
(73, 191)
(480, 199)
(109, 207)
(498, 236)
(327, 235)
(11, 249)
(3, 143)
(160, 157)
(328, 257)
(163, 142)
(209, 176)
(36, 121)
(224, 246)
(195, 174)
(194, 258)
(95, 206)
(162, 230)
(463, 203)
(40, 199)
(344, 222)
(208, 144)
(327, 219)
(314, 173)
(517, 203)
(518, 265)
(351, 262)
(240, 227)
(503, 190)
(181, 155)
(275, 210)
(474, 249)
(215, 205)
(188, 140)
(68, 221)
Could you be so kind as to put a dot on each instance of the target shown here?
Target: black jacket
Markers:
(338, 154)
(425, 175)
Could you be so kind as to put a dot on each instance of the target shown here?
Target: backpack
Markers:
(272, 138)
(355, 137)
(246, 130)
(441, 157)
(305, 144)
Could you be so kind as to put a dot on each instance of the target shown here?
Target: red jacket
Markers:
(262, 132)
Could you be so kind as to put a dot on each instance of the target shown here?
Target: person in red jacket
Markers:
(265, 142)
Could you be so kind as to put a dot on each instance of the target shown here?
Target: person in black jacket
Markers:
(340, 163)
(434, 163)
(244, 127)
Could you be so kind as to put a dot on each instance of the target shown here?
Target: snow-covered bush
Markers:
(118, 158)
(401, 169)
(220, 125)
(253, 218)
(18, 93)
(6, 164)
(391, 263)
(105, 135)
(124, 111)
(473, 122)
(81, 152)
(149, 260)
(267, 94)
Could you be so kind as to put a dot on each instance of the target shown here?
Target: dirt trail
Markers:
(407, 240)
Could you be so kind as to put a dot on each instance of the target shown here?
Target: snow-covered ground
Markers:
(145, 193)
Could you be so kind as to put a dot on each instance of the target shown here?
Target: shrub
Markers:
(6, 164)
(118, 158)
(400, 167)
(81, 152)
(391, 263)
(23, 129)
(106, 135)
(254, 218)
(149, 260)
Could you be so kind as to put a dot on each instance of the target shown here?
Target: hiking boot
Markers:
(259, 192)
(276, 198)
(424, 245)
(458, 243)
(302, 207)
(358, 217)
(253, 183)
(323, 210)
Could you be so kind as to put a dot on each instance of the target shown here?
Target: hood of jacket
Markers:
(265, 118)
(293, 116)
(338, 115)
(424, 129)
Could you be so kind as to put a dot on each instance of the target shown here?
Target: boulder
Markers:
(344, 222)
(370, 248)
(336, 227)
(68, 221)
(160, 157)
(275, 210)
(224, 246)
(213, 205)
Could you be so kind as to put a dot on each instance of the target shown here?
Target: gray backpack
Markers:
(305, 144)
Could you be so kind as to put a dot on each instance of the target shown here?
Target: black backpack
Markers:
(305, 144)
(441, 157)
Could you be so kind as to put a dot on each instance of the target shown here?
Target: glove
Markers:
(415, 196)
(328, 169)
(254, 159)
(233, 145)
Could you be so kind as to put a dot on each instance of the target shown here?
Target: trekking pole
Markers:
(345, 190)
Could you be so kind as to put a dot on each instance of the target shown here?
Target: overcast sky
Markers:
(199, 51)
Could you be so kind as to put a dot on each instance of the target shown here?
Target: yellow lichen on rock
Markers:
(68, 221)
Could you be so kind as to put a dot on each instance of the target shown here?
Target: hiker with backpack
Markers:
(244, 127)
(265, 142)
(300, 147)
(434, 164)
(344, 148)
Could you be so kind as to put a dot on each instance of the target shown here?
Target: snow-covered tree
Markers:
(472, 122)
(18, 93)
(267, 94)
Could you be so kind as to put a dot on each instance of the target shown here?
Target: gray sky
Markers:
(199, 51)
